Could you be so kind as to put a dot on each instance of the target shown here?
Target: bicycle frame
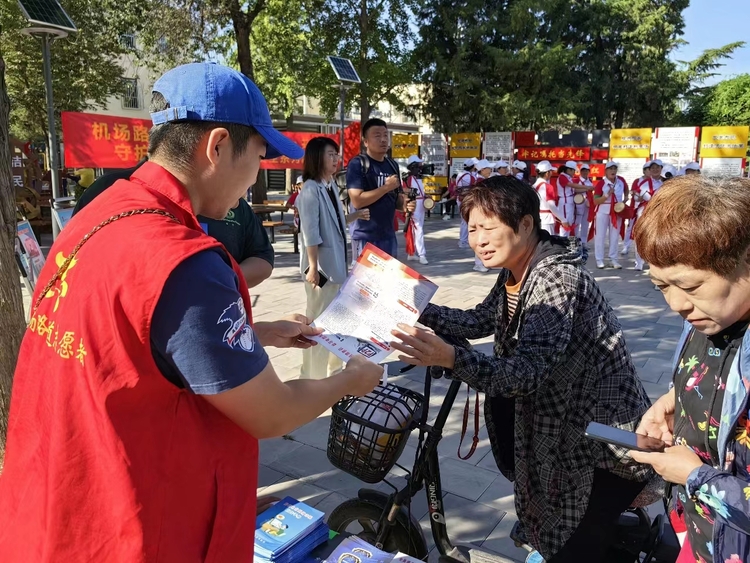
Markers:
(426, 471)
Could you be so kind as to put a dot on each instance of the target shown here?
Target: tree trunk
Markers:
(242, 38)
(12, 320)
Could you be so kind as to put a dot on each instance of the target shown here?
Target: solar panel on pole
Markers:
(344, 70)
(47, 13)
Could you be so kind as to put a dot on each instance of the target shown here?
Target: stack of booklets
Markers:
(288, 531)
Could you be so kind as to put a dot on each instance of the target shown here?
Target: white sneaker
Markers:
(600, 264)
(446, 217)
(412, 257)
(616, 265)
(423, 260)
(480, 268)
(639, 267)
(624, 251)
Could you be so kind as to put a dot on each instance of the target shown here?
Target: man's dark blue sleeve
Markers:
(354, 176)
(200, 329)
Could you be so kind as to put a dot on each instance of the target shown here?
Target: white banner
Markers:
(630, 168)
(722, 167)
(675, 145)
(498, 146)
(435, 151)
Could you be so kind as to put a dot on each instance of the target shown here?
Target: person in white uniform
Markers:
(414, 182)
(500, 168)
(628, 239)
(465, 179)
(581, 225)
(607, 224)
(565, 194)
(691, 168)
(483, 170)
(548, 209)
(519, 170)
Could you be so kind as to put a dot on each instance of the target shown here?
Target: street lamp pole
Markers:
(54, 161)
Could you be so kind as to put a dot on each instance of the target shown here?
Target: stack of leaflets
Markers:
(288, 531)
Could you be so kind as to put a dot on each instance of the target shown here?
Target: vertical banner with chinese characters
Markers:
(675, 145)
(29, 252)
(498, 146)
(103, 141)
(465, 145)
(724, 142)
(435, 151)
(630, 143)
(404, 145)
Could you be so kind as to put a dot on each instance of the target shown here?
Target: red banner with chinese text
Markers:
(351, 147)
(579, 154)
(282, 162)
(103, 141)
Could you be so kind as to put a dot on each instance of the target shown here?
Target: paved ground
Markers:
(478, 500)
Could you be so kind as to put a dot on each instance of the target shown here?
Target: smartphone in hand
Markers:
(623, 438)
(321, 277)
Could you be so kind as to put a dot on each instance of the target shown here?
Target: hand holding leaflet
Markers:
(379, 294)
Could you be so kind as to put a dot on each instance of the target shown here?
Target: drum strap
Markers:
(465, 424)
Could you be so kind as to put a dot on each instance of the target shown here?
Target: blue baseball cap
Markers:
(211, 92)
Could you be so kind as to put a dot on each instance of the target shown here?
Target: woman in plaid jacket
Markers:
(560, 361)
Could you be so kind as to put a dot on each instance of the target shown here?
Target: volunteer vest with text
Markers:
(106, 460)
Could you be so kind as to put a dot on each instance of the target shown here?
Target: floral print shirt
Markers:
(716, 498)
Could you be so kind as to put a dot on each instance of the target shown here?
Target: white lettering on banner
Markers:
(18, 181)
(16, 162)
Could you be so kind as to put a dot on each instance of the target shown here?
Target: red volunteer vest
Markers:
(106, 460)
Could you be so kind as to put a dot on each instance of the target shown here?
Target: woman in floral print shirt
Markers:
(695, 233)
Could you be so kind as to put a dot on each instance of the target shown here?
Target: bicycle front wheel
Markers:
(361, 518)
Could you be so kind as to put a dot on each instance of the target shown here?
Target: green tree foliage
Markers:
(375, 35)
(726, 103)
(505, 64)
(85, 69)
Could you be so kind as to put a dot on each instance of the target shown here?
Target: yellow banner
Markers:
(630, 143)
(724, 142)
(434, 184)
(465, 145)
(404, 145)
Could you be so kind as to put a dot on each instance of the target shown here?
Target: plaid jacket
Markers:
(560, 363)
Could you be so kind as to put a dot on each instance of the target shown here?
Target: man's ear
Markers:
(218, 145)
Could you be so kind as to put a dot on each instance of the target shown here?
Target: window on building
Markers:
(127, 40)
(131, 99)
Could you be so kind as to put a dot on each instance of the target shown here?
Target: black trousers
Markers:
(610, 496)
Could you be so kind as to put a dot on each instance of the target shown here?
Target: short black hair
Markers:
(177, 141)
(315, 154)
(504, 197)
(370, 123)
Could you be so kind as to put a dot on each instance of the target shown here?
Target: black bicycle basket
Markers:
(368, 434)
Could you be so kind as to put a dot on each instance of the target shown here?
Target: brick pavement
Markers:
(478, 500)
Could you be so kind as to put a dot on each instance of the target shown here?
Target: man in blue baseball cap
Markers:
(142, 384)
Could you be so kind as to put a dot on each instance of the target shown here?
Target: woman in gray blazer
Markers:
(323, 262)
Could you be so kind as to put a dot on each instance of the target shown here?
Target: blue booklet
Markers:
(286, 524)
